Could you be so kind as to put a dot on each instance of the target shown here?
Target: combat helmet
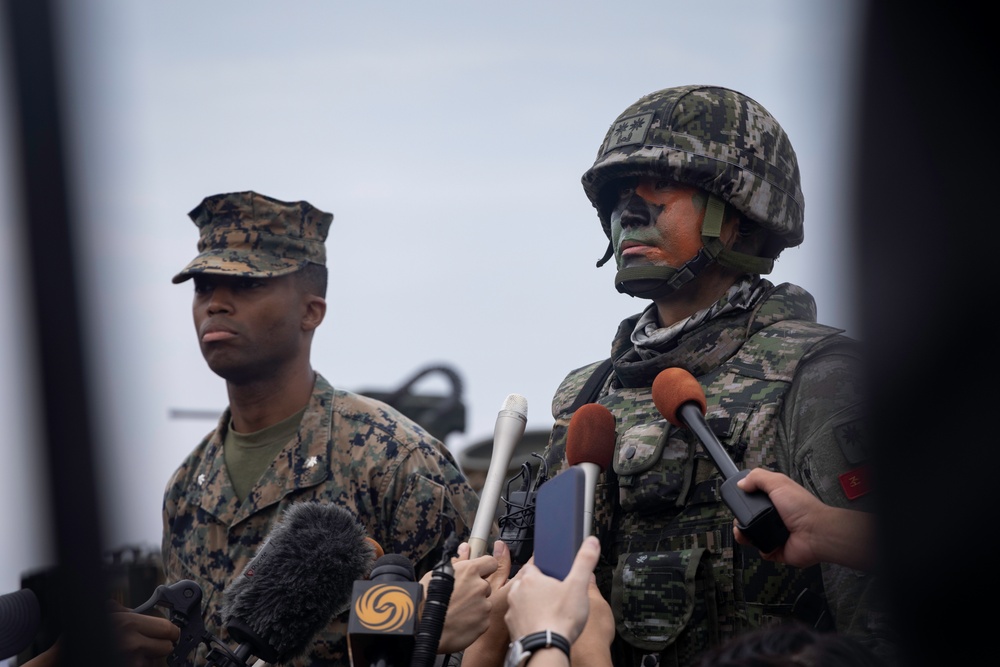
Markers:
(715, 139)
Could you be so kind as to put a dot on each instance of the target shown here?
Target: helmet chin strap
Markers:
(653, 282)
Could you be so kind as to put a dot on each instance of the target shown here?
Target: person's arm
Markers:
(489, 648)
(47, 658)
(144, 640)
(539, 603)
(593, 647)
(818, 533)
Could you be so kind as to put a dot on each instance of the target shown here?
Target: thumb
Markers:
(504, 560)
(586, 559)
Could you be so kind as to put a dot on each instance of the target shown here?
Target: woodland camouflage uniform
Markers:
(783, 392)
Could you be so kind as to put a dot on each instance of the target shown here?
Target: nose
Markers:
(218, 300)
(634, 212)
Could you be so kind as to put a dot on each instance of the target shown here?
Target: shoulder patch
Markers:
(851, 437)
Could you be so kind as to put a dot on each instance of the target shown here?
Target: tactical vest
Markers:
(676, 579)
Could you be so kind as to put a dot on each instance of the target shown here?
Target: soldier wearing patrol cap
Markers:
(288, 436)
(697, 189)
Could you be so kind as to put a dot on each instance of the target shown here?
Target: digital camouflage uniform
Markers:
(782, 392)
(403, 485)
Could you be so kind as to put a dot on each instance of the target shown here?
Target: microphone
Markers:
(20, 618)
(679, 397)
(299, 579)
(439, 591)
(382, 628)
(506, 434)
(590, 445)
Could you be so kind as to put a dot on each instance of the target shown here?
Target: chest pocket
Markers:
(655, 461)
(652, 462)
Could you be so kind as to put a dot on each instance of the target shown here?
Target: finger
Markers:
(760, 479)
(737, 533)
(504, 562)
(147, 626)
(464, 551)
(586, 559)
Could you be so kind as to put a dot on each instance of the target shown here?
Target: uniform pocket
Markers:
(653, 466)
(658, 594)
(417, 524)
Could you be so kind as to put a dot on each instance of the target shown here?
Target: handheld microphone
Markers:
(382, 628)
(300, 578)
(507, 433)
(590, 445)
(679, 397)
(439, 591)
(20, 618)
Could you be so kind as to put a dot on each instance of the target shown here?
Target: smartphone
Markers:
(559, 522)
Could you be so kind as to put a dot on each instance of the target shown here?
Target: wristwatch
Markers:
(521, 649)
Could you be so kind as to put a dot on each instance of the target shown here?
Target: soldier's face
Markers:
(248, 328)
(656, 222)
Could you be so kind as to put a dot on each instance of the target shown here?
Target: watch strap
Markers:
(521, 649)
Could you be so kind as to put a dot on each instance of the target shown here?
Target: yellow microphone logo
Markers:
(384, 608)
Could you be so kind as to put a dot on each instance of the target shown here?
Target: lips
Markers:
(634, 246)
(215, 333)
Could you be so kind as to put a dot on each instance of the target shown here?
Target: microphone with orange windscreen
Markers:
(679, 397)
(590, 445)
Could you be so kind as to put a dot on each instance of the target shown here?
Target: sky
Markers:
(448, 140)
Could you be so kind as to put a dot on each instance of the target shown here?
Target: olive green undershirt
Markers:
(249, 454)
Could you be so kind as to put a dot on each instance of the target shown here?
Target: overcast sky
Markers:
(448, 140)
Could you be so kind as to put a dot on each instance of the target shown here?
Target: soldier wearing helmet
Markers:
(697, 189)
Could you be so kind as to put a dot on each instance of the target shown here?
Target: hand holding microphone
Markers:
(679, 397)
(507, 433)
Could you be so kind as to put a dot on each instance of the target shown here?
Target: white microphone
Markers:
(506, 434)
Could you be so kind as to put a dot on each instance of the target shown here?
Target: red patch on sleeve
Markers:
(855, 482)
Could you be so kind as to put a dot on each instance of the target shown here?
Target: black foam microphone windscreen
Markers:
(300, 578)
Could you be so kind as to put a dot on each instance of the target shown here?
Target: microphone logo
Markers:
(384, 608)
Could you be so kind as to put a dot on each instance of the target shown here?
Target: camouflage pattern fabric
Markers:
(779, 387)
(713, 138)
(401, 483)
(249, 234)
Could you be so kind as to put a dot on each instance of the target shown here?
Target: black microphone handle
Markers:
(690, 414)
(755, 513)
(432, 620)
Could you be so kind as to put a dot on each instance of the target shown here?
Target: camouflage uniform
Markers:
(359, 453)
(403, 485)
(782, 391)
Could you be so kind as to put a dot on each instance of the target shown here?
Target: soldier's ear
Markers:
(314, 312)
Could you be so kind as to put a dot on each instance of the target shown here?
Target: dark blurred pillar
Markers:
(927, 227)
(48, 218)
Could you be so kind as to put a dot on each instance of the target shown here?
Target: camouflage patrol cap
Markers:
(713, 138)
(249, 234)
